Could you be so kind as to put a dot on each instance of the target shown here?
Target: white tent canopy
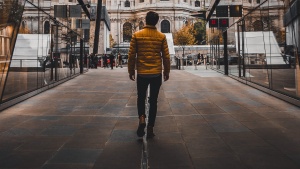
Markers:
(170, 43)
(28, 49)
(257, 43)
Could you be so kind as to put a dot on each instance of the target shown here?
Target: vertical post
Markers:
(70, 58)
(210, 51)
(297, 72)
(183, 58)
(225, 52)
(118, 27)
(56, 53)
(81, 56)
(218, 53)
(243, 48)
(97, 29)
(239, 50)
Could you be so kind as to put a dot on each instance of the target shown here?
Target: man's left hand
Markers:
(132, 77)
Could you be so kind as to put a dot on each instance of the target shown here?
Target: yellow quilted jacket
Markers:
(148, 52)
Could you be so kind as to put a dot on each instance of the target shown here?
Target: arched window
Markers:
(46, 27)
(141, 25)
(258, 25)
(165, 26)
(127, 3)
(127, 32)
(197, 3)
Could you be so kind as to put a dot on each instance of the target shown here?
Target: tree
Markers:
(11, 12)
(111, 41)
(200, 32)
(185, 36)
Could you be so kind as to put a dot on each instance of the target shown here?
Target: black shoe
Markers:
(150, 133)
(141, 129)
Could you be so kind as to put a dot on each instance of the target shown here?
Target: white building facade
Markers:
(173, 14)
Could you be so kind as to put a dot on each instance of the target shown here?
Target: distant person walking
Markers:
(105, 61)
(198, 59)
(148, 52)
(111, 60)
(120, 61)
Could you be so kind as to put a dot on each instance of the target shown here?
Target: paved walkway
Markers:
(205, 121)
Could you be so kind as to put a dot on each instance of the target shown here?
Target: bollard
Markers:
(195, 64)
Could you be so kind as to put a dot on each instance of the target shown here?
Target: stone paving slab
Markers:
(205, 120)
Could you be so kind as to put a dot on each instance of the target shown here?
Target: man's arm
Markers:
(132, 58)
(166, 59)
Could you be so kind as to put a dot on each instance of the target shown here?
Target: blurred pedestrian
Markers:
(92, 61)
(111, 60)
(147, 53)
(198, 59)
(120, 61)
(105, 61)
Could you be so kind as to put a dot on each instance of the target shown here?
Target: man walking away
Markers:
(148, 53)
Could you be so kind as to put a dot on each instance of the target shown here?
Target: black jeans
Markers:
(142, 85)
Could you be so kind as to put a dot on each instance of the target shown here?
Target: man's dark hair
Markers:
(152, 18)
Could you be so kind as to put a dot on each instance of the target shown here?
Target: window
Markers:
(46, 27)
(127, 3)
(165, 26)
(127, 32)
(197, 3)
(141, 1)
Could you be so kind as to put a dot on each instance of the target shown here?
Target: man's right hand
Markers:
(132, 77)
(166, 77)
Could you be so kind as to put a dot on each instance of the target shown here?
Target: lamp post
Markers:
(118, 29)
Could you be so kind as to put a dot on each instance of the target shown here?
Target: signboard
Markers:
(213, 23)
(60, 11)
(75, 11)
(219, 23)
(223, 22)
(236, 10)
(85, 24)
(199, 15)
(222, 11)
